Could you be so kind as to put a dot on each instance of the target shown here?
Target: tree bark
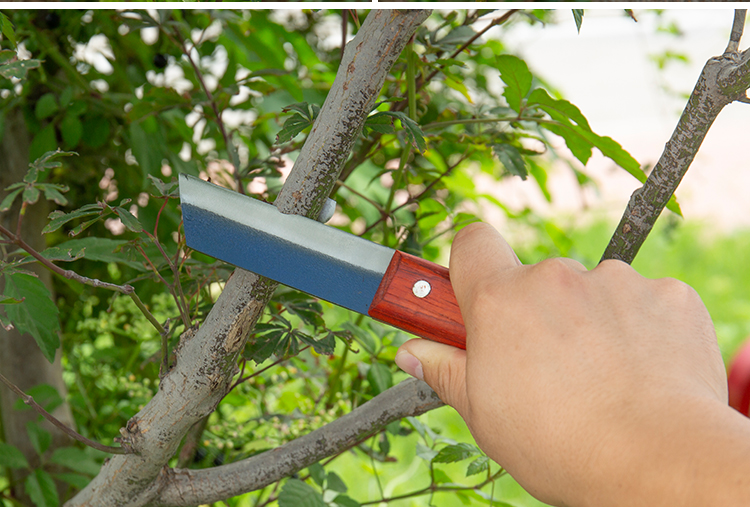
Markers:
(21, 360)
(206, 359)
(724, 79)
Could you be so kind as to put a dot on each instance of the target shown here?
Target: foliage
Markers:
(142, 96)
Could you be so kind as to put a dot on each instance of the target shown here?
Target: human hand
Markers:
(572, 378)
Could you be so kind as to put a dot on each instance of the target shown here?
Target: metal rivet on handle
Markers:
(421, 288)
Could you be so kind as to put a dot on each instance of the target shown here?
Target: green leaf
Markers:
(44, 394)
(7, 29)
(413, 130)
(578, 17)
(380, 124)
(44, 141)
(334, 483)
(165, 189)
(128, 220)
(515, 74)
(37, 315)
(46, 106)
(30, 195)
(292, 126)
(76, 459)
(41, 489)
(318, 474)
(455, 452)
(96, 132)
(11, 457)
(53, 192)
(40, 438)
(296, 493)
(18, 69)
(8, 200)
(59, 218)
(511, 159)
(345, 501)
(424, 452)
(72, 130)
(47, 161)
(7, 300)
(380, 377)
(78, 481)
(481, 464)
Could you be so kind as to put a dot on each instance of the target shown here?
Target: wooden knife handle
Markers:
(400, 302)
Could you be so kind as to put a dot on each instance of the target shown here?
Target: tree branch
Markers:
(28, 400)
(724, 79)
(206, 359)
(192, 487)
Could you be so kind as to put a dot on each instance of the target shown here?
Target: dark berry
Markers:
(160, 61)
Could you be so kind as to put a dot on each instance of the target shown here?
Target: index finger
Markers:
(478, 252)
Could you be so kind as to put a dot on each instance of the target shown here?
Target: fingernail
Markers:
(409, 364)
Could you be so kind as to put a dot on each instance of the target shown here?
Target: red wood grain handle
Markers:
(401, 300)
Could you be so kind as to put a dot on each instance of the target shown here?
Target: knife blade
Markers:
(390, 286)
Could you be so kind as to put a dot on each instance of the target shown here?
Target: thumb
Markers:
(442, 366)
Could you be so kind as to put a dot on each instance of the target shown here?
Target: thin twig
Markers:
(128, 290)
(28, 400)
(231, 151)
(737, 28)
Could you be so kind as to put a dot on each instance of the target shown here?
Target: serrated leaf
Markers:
(380, 124)
(163, 188)
(54, 193)
(515, 74)
(11, 457)
(334, 483)
(307, 111)
(380, 377)
(481, 464)
(511, 159)
(18, 69)
(58, 218)
(76, 459)
(41, 489)
(46, 161)
(37, 315)
(128, 220)
(55, 253)
(578, 17)
(292, 126)
(455, 452)
(40, 438)
(296, 493)
(7, 29)
(8, 200)
(413, 131)
(318, 474)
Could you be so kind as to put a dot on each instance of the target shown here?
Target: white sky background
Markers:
(605, 70)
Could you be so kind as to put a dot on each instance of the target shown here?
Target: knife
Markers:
(390, 286)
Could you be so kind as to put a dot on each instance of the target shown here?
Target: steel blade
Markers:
(299, 252)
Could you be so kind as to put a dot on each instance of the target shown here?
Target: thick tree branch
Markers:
(206, 359)
(724, 79)
(192, 487)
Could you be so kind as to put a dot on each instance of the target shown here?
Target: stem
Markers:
(231, 150)
(28, 400)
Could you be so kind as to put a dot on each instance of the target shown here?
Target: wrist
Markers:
(691, 451)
